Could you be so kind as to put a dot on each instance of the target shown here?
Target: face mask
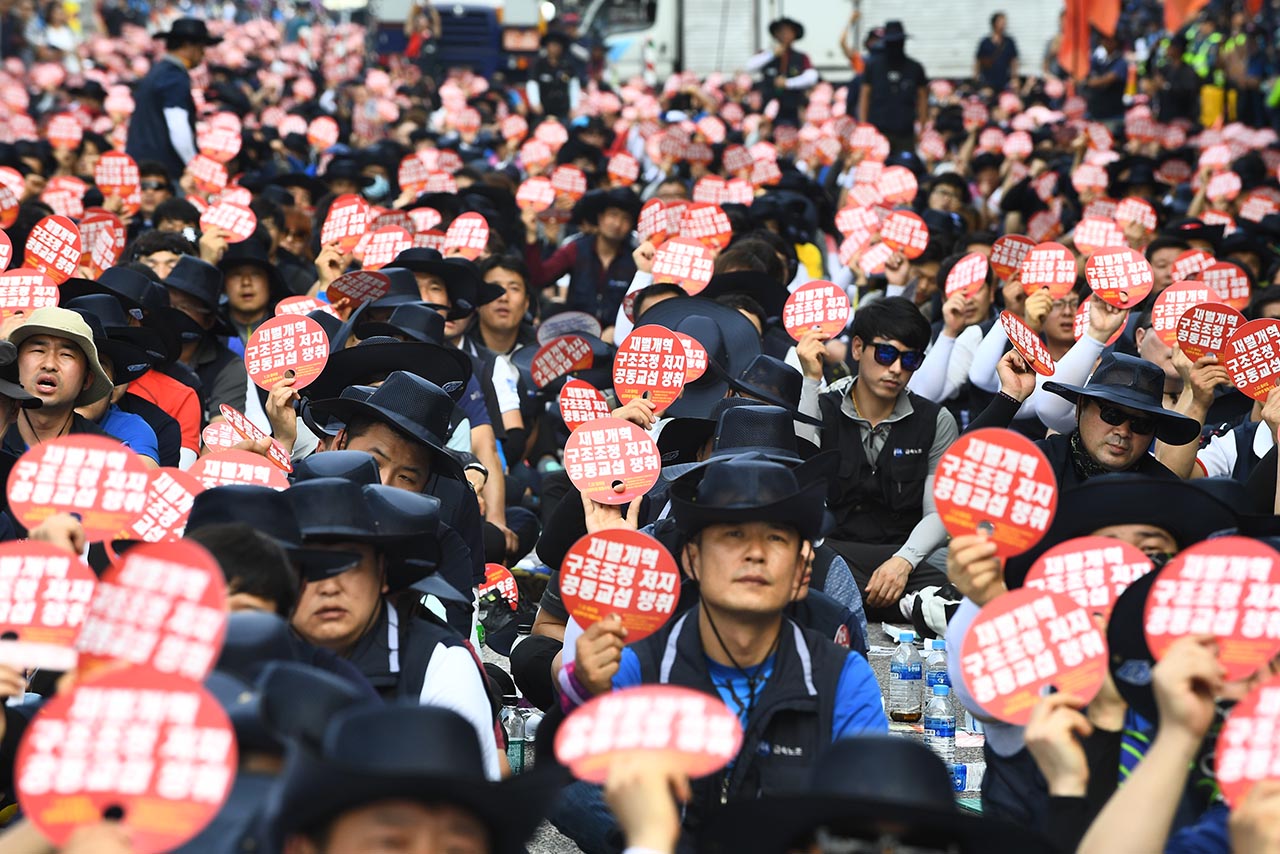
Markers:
(378, 189)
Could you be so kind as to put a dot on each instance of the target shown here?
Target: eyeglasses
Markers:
(1069, 304)
(154, 185)
(887, 354)
(1115, 416)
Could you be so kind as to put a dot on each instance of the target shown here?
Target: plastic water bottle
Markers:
(532, 718)
(906, 672)
(940, 725)
(935, 665)
(514, 723)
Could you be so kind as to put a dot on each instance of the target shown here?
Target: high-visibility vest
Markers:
(1201, 59)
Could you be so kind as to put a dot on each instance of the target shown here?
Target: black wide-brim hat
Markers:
(314, 186)
(409, 404)
(681, 439)
(764, 380)
(1189, 228)
(767, 291)
(774, 26)
(1134, 384)
(753, 488)
(596, 202)
(557, 36)
(188, 31)
(467, 290)
(1188, 512)
(250, 252)
(9, 385)
(374, 359)
(731, 342)
(423, 754)
(865, 785)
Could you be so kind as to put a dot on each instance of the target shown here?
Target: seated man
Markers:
(889, 441)
(748, 528)
(58, 363)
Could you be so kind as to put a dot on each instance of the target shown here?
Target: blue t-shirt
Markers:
(858, 707)
(133, 431)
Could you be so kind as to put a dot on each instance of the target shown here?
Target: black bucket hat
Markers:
(866, 786)
(729, 338)
(348, 465)
(467, 291)
(9, 385)
(115, 323)
(752, 488)
(418, 322)
(414, 407)
(761, 287)
(776, 383)
(1134, 384)
(753, 429)
(128, 362)
(269, 511)
(680, 440)
(252, 253)
(416, 753)
(345, 168)
(795, 25)
(203, 281)
(376, 358)
(188, 31)
(144, 298)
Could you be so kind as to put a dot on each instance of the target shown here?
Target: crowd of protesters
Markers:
(477, 257)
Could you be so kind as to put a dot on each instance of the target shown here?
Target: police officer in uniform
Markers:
(786, 73)
(553, 86)
(163, 127)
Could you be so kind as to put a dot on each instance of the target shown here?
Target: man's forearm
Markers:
(928, 534)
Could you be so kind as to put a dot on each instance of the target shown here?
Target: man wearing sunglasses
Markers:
(1119, 414)
(889, 441)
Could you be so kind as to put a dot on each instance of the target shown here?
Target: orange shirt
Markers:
(175, 398)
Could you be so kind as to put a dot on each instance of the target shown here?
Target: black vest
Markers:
(789, 726)
(1246, 460)
(393, 655)
(880, 501)
(553, 87)
(1057, 449)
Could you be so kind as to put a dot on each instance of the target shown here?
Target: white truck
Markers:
(719, 35)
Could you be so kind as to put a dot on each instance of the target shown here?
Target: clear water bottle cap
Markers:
(906, 637)
(941, 690)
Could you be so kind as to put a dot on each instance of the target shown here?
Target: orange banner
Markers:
(1080, 18)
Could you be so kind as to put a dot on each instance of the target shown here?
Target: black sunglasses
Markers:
(887, 354)
(1115, 416)
(154, 185)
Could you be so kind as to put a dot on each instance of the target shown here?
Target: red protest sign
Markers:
(224, 467)
(816, 305)
(1133, 210)
(897, 185)
(247, 429)
(1253, 357)
(346, 222)
(694, 731)
(1224, 186)
(1089, 177)
(498, 577)
(1173, 302)
(709, 189)
(1017, 145)
(560, 356)
(1228, 280)
(359, 286)
(695, 357)
(384, 245)
(1245, 752)
(237, 221)
(413, 172)
(1119, 277)
(706, 223)
(569, 181)
(468, 236)
(1205, 329)
(1028, 344)
(116, 174)
(168, 777)
(1219, 587)
(64, 131)
(53, 248)
(623, 169)
(552, 133)
(93, 476)
(1049, 265)
(968, 276)
(170, 493)
(1093, 571)
(102, 240)
(44, 596)
(612, 461)
(1008, 253)
(568, 323)
(303, 305)
(623, 572)
(1081, 323)
(23, 290)
(283, 347)
(6, 251)
(1026, 641)
(860, 221)
(424, 219)
(536, 194)
(1190, 263)
(1216, 157)
(652, 226)
(536, 154)
(9, 203)
(322, 132)
(162, 605)
(209, 175)
(1094, 233)
(581, 402)
(220, 436)
(905, 232)
(684, 261)
(649, 363)
(220, 143)
(998, 482)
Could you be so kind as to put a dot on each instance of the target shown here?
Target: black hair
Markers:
(267, 211)
(751, 253)
(646, 294)
(894, 318)
(1165, 242)
(252, 563)
(780, 245)
(512, 263)
(180, 209)
(749, 304)
(995, 17)
(160, 241)
(154, 169)
(1260, 299)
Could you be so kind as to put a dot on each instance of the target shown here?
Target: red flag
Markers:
(1079, 18)
(1178, 12)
